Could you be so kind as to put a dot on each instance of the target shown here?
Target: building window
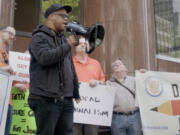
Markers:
(167, 22)
(26, 15)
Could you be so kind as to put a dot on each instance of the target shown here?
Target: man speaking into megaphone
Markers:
(53, 80)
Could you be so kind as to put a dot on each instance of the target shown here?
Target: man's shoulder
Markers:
(40, 34)
(43, 31)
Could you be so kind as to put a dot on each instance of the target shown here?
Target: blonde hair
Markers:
(10, 29)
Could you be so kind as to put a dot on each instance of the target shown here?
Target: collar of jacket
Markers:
(47, 30)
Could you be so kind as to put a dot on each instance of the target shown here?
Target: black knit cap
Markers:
(54, 8)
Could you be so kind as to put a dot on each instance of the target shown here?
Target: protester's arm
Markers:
(93, 83)
(101, 73)
(101, 78)
(77, 100)
(22, 86)
(142, 70)
(136, 99)
(7, 69)
(46, 55)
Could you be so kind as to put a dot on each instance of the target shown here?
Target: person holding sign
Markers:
(53, 80)
(126, 117)
(7, 36)
(88, 70)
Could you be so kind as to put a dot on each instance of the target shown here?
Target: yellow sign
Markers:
(23, 122)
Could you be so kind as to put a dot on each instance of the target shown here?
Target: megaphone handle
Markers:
(76, 37)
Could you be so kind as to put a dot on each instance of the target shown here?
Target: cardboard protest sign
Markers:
(96, 105)
(20, 65)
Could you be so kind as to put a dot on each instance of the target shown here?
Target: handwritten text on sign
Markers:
(20, 64)
(23, 121)
(96, 105)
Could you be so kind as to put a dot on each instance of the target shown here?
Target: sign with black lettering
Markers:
(96, 105)
(23, 122)
(159, 101)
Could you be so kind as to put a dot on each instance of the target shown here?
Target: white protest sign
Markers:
(20, 65)
(159, 101)
(5, 87)
(96, 105)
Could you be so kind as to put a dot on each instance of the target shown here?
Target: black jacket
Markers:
(48, 50)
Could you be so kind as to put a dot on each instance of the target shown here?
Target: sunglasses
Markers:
(5, 58)
(62, 15)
